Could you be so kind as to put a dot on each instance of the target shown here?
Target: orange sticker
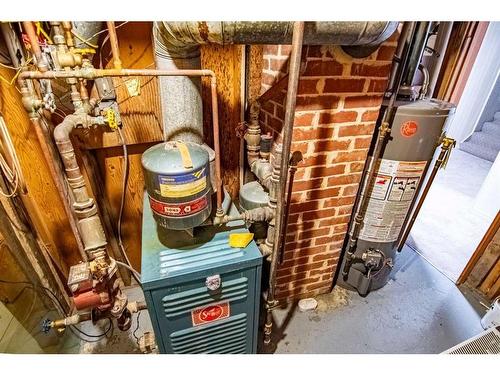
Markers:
(211, 313)
(409, 128)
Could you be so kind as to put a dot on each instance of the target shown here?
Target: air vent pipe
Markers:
(177, 46)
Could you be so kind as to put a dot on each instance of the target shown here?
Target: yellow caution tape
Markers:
(240, 240)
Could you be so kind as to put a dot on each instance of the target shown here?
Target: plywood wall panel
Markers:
(41, 188)
(226, 62)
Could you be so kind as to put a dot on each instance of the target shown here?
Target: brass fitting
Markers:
(69, 59)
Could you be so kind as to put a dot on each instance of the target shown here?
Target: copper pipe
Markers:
(35, 46)
(113, 40)
(215, 121)
(91, 73)
(446, 146)
(291, 98)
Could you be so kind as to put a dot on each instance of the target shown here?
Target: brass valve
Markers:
(447, 144)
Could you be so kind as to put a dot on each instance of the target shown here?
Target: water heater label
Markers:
(210, 313)
(394, 188)
(183, 185)
(178, 209)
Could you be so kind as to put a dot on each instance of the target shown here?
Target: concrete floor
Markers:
(419, 311)
(449, 211)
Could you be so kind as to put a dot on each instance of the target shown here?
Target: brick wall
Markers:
(338, 102)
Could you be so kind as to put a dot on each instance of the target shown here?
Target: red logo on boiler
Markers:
(409, 128)
(210, 313)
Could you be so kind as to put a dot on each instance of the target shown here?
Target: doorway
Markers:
(464, 198)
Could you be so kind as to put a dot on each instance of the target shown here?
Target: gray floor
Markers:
(419, 311)
(448, 228)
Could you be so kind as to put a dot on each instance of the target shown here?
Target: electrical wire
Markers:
(54, 299)
(137, 328)
(81, 39)
(135, 274)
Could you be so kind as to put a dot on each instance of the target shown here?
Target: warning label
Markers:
(183, 185)
(394, 187)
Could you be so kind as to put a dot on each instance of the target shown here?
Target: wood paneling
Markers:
(226, 62)
(141, 114)
(483, 269)
(111, 164)
(40, 186)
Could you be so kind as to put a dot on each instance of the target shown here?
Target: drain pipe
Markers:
(291, 97)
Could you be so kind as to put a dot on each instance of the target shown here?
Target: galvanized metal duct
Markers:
(176, 46)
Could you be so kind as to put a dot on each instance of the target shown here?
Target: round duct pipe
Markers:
(176, 46)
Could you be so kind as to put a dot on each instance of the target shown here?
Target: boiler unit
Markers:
(202, 294)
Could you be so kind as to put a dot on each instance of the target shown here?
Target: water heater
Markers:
(416, 131)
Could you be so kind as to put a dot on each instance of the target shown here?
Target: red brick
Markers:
(331, 145)
(350, 130)
(316, 102)
(304, 252)
(307, 185)
(370, 116)
(327, 171)
(285, 49)
(351, 156)
(314, 160)
(304, 119)
(291, 246)
(338, 117)
(339, 85)
(318, 51)
(302, 147)
(279, 111)
(334, 221)
(304, 206)
(323, 69)
(356, 167)
(345, 210)
(314, 233)
(323, 257)
(319, 214)
(350, 190)
(377, 85)
(362, 101)
(323, 193)
(379, 70)
(270, 49)
(308, 86)
(320, 271)
(294, 262)
(386, 53)
(311, 134)
(308, 266)
(361, 143)
(289, 278)
(344, 180)
(268, 79)
(300, 226)
(278, 64)
(335, 202)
